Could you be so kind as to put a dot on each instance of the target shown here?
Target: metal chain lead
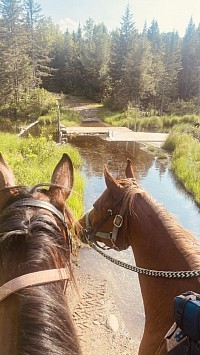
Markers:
(139, 270)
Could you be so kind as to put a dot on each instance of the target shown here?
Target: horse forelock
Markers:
(31, 242)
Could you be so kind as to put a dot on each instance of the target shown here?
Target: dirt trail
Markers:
(85, 108)
(97, 319)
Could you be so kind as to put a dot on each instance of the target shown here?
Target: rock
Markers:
(113, 323)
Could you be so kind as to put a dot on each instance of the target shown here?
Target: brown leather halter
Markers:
(91, 233)
(39, 277)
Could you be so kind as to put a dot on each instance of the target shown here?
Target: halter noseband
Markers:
(91, 233)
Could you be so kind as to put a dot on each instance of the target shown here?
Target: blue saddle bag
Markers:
(187, 314)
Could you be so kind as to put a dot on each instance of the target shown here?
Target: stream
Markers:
(156, 178)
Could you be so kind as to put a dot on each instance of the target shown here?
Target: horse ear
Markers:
(111, 183)
(129, 170)
(63, 175)
(6, 174)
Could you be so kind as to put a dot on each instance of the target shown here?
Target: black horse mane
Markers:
(32, 242)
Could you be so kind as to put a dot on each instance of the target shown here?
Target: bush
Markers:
(38, 102)
(35, 103)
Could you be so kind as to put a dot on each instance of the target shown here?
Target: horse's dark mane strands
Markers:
(36, 320)
(45, 317)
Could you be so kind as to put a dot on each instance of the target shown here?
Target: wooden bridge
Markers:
(117, 134)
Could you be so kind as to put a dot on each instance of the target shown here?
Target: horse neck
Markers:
(9, 311)
(157, 239)
(160, 243)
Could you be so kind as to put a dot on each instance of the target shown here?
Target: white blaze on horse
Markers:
(35, 248)
(125, 215)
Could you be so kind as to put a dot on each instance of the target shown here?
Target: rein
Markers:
(148, 272)
(38, 277)
(32, 279)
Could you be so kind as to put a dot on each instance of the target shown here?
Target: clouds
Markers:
(171, 14)
(68, 23)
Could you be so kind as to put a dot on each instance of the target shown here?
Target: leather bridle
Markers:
(90, 233)
(38, 277)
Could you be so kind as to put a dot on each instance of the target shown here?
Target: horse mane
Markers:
(32, 242)
(143, 207)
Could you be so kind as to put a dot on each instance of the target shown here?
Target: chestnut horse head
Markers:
(35, 264)
(125, 215)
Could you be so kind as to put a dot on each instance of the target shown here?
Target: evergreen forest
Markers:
(156, 72)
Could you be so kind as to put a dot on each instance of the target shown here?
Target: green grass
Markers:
(185, 160)
(67, 117)
(159, 123)
(113, 118)
(33, 160)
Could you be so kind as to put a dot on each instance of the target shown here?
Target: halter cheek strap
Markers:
(112, 236)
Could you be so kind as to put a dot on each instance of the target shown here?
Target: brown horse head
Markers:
(107, 218)
(35, 237)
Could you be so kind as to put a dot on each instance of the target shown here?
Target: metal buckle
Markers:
(118, 220)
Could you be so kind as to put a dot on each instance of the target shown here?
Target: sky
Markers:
(170, 14)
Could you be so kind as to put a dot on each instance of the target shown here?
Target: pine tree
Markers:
(32, 20)
(172, 68)
(157, 65)
(94, 58)
(188, 62)
(122, 53)
(15, 64)
(146, 82)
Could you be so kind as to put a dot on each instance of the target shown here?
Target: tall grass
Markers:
(67, 117)
(34, 159)
(113, 118)
(185, 161)
(134, 118)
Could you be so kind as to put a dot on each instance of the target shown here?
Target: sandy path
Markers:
(100, 328)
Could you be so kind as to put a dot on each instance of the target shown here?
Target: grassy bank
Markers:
(185, 148)
(34, 159)
(135, 120)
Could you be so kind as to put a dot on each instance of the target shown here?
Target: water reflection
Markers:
(97, 152)
(163, 186)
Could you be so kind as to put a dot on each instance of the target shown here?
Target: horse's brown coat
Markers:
(158, 242)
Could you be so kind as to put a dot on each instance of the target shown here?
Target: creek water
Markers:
(156, 177)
